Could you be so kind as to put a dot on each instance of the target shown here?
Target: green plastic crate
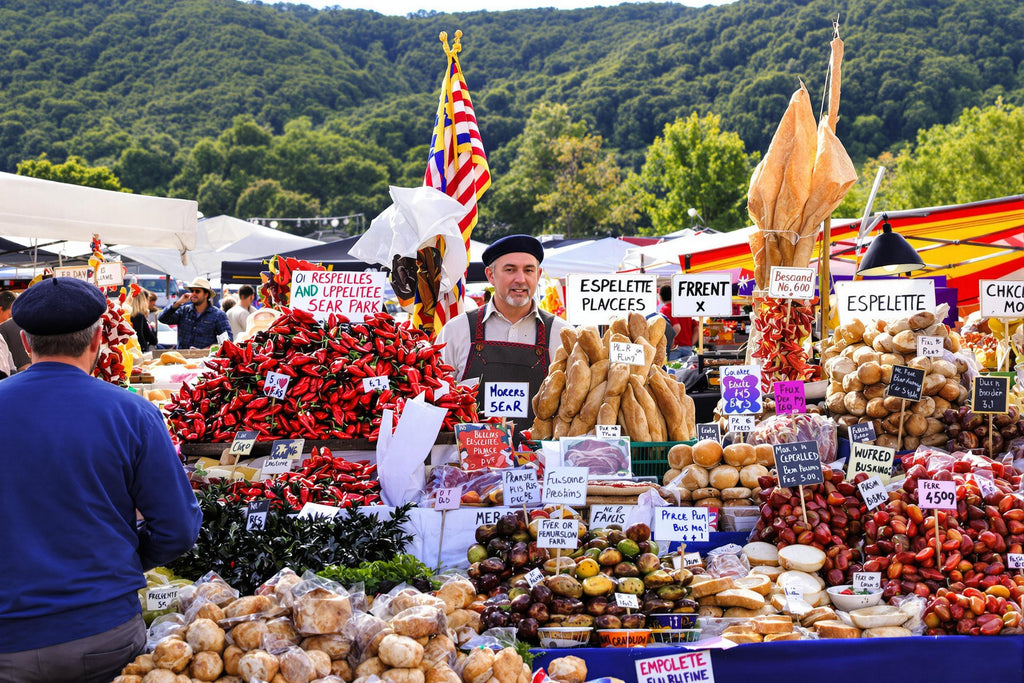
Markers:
(650, 458)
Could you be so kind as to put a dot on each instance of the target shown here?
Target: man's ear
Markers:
(97, 339)
(489, 273)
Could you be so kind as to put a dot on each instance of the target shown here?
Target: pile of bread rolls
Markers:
(858, 360)
(707, 475)
(584, 389)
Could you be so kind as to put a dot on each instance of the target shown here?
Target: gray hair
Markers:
(71, 344)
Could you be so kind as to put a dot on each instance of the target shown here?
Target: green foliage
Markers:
(379, 576)
(74, 171)
(696, 165)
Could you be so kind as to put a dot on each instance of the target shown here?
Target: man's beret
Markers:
(513, 244)
(60, 305)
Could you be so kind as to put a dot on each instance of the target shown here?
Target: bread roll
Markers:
(724, 476)
(751, 473)
(707, 453)
(694, 477)
(739, 454)
(680, 455)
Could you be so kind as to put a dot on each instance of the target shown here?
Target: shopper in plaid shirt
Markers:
(199, 323)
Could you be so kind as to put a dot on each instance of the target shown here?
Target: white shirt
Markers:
(456, 334)
(237, 317)
(6, 359)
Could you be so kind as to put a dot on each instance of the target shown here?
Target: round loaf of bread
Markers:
(707, 453)
(694, 477)
(751, 473)
(724, 476)
(739, 454)
(680, 455)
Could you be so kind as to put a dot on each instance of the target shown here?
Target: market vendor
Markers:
(83, 461)
(510, 339)
(199, 322)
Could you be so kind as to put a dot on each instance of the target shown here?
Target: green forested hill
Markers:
(97, 77)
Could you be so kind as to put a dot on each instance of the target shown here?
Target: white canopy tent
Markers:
(221, 238)
(36, 208)
(596, 256)
(663, 258)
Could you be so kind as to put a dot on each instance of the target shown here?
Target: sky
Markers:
(403, 7)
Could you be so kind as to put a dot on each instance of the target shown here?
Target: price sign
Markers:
(871, 459)
(676, 668)
(632, 354)
(985, 486)
(741, 389)
(701, 295)
(791, 283)
(282, 454)
(565, 486)
(109, 274)
(256, 515)
(863, 432)
(372, 384)
(867, 581)
(789, 398)
(519, 487)
(906, 383)
(506, 399)
(1015, 560)
(448, 499)
(77, 272)
(1001, 298)
(989, 394)
(709, 430)
(558, 533)
(691, 560)
(741, 423)
(242, 444)
(873, 492)
(627, 601)
(533, 577)
(930, 346)
(682, 524)
(798, 463)
(161, 598)
(609, 431)
(602, 516)
(276, 385)
(310, 510)
(936, 495)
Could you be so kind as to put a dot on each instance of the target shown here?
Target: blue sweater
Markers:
(78, 457)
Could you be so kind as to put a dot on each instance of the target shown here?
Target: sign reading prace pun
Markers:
(883, 299)
(596, 299)
(352, 294)
(701, 295)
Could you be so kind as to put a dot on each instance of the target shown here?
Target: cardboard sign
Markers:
(906, 383)
(77, 272)
(709, 430)
(798, 463)
(506, 399)
(372, 384)
(159, 598)
(682, 524)
(680, 667)
(930, 346)
(608, 431)
(870, 459)
(990, 394)
(565, 486)
(627, 601)
(110, 274)
(791, 283)
(606, 515)
(483, 446)
(862, 432)
(742, 424)
(867, 581)
(558, 533)
(241, 445)
(276, 385)
(936, 495)
(352, 294)
(883, 299)
(631, 354)
(520, 487)
(741, 389)
(256, 515)
(789, 398)
(873, 492)
(701, 295)
(595, 299)
(1001, 298)
(276, 463)
(448, 499)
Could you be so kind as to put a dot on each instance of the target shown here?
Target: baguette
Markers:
(598, 372)
(655, 420)
(585, 420)
(637, 325)
(632, 417)
(542, 429)
(568, 336)
(577, 385)
(550, 394)
(656, 330)
(590, 340)
(668, 404)
(618, 377)
(608, 413)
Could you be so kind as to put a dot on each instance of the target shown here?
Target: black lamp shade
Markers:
(889, 254)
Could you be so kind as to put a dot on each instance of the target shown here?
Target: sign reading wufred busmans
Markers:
(596, 299)
(354, 295)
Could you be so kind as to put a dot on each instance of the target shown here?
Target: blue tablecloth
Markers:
(928, 659)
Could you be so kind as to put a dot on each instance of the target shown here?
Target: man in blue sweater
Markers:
(82, 460)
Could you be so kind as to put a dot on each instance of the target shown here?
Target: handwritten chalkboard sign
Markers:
(989, 394)
(863, 432)
(906, 383)
(798, 463)
(709, 430)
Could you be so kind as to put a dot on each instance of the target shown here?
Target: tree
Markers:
(74, 171)
(695, 164)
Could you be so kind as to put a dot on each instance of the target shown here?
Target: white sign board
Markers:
(596, 299)
(110, 274)
(883, 299)
(680, 667)
(520, 487)
(701, 295)
(606, 515)
(791, 283)
(1001, 298)
(506, 399)
(681, 524)
(351, 294)
(77, 272)
(565, 486)
(558, 533)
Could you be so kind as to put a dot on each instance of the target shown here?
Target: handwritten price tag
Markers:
(256, 515)
(790, 398)
(929, 346)
(709, 430)
(741, 423)
(1015, 560)
(936, 495)
(691, 560)
(276, 385)
(533, 577)
(448, 499)
(627, 601)
(863, 432)
(867, 581)
(620, 352)
(372, 384)
(873, 492)
(609, 431)
(985, 486)
(242, 444)
(161, 598)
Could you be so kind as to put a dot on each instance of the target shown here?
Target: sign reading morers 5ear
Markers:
(596, 299)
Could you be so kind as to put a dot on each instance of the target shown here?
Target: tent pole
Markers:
(825, 277)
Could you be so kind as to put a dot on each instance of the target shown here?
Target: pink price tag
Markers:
(936, 495)
(790, 398)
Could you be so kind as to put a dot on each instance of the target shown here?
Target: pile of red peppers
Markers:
(322, 478)
(783, 328)
(326, 397)
(116, 332)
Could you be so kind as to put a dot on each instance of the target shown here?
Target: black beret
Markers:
(513, 244)
(61, 305)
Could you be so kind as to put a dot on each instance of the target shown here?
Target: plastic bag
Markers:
(280, 586)
(913, 606)
(364, 632)
(727, 560)
(320, 606)
(779, 429)
(164, 626)
(420, 621)
(210, 587)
